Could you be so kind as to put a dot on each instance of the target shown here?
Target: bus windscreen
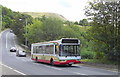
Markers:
(70, 50)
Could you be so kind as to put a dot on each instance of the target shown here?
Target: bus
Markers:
(65, 51)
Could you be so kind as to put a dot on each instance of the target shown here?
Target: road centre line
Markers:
(48, 66)
(10, 45)
(52, 67)
(34, 63)
(63, 70)
(13, 69)
(79, 73)
(14, 41)
(56, 68)
(24, 60)
(6, 39)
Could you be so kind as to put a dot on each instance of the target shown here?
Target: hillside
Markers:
(39, 14)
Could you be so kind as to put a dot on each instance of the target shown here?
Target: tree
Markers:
(7, 17)
(11, 19)
(68, 32)
(19, 23)
(69, 23)
(76, 23)
(45, 30)
(83, 22)
(35, 33)
(104, 31)
(52, 28)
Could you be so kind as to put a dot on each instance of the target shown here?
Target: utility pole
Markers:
(25, 30)
(26, 33)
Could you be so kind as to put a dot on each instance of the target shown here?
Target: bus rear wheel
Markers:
(51, 61)
(36, 60)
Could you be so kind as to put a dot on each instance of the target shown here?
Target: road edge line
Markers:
(1, 52)
(6, 65)
(12, 69)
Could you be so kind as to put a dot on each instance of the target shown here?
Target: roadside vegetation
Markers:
(0, 18)
(47, 14)
(99, 37)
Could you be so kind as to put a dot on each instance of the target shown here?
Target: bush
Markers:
(99, 55)
(86, 54)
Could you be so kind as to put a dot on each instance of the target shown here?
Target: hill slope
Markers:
(39, 14)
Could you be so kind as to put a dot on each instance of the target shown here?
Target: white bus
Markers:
(65, 51)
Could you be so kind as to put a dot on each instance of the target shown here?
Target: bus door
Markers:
(60, 50)
(57, 50)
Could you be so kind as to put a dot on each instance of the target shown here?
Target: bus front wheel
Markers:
(69, 64)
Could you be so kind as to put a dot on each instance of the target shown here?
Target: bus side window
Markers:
(47, 49)
(51, 49)
(43, 49)
(37, 49)
(40, 49)
(34, 49)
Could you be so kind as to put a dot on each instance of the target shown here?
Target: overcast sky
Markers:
(73, 10)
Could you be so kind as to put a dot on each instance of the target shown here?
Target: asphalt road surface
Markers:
(13, 65)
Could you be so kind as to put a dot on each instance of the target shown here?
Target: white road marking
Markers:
(49, 66)
(1, 35)
(18, 58)
(6, 39)
(13, 69)
(56, 68)
(53, 67)
(6, 66)
(19, 72)
(79, 73)
(1, 45)
(63, 70)
(14, 41)
(36, 64)
(10, 45)
(24, 60)
(7, 47)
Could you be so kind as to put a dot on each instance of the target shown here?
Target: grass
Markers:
(100, 61)
(47, 14)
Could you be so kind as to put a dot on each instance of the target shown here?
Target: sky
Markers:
(72, 10)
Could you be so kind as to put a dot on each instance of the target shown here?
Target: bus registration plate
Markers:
(71, 63)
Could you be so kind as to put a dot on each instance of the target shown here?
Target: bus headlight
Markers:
(61, 60)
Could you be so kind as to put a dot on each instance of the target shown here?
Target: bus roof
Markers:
(63, 40)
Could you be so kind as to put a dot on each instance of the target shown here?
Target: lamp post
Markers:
(25, 30)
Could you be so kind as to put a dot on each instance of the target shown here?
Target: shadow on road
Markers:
(61, 66)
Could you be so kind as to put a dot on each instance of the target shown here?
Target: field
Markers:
(40, 14)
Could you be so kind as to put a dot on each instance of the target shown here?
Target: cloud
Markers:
(64, 4)
(71, 9)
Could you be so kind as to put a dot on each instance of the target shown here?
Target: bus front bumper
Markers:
(66, 62)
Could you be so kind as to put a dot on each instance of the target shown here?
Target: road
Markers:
(25, 66)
